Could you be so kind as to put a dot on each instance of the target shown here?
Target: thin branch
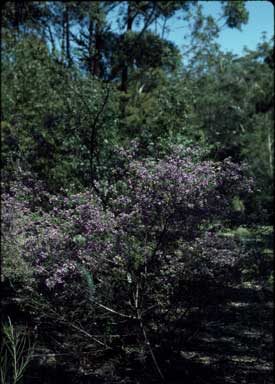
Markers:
(93, 134)
(147, 342)
(113, 311)
(151, 18)
(87, 334)
(61, 319)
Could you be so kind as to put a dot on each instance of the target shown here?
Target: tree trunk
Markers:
(125, 69)
(124, 75)
(269, 149)
(63, 38)
(96, 68)
(90, 48)
(67, 24)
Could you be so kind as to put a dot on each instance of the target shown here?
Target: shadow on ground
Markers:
(234, 343)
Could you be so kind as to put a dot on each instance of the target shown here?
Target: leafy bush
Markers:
(139, 251)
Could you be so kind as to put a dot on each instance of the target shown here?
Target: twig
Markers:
(68, 323)
(113, 311)
(147, 342)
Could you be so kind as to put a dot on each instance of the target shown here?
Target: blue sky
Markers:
(261, 18)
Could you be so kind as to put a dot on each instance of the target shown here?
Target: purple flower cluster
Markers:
(154, 206)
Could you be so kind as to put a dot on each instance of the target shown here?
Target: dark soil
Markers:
(234, 344)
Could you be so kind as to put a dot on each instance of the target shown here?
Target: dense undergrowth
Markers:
(119, 282)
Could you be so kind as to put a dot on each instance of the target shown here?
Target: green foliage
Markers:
(235, 13)
(57, 121)
(234, 109)
(157, 107)
(15, 355)
(149, 51)
(14, 268)
(49, 116)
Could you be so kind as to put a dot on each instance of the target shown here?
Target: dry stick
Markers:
(150, 349)
(84, 332)
(87, 334)
(59, 318)
(113, 311)
(149, 309)
(147, 341)
(193, 334)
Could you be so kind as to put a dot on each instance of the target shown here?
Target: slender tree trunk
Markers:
(52, 41)
(63, 38)
(269, 148)
(143, 330)
(124, 75)
(68, 48)
(99, 47)
(90, 48)
(96, 67)
(125, 68)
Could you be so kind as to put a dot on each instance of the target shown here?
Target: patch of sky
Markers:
(260, 24)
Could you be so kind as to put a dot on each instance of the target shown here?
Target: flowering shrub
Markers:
(155, 234)
(75, 231)
(14, 216)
